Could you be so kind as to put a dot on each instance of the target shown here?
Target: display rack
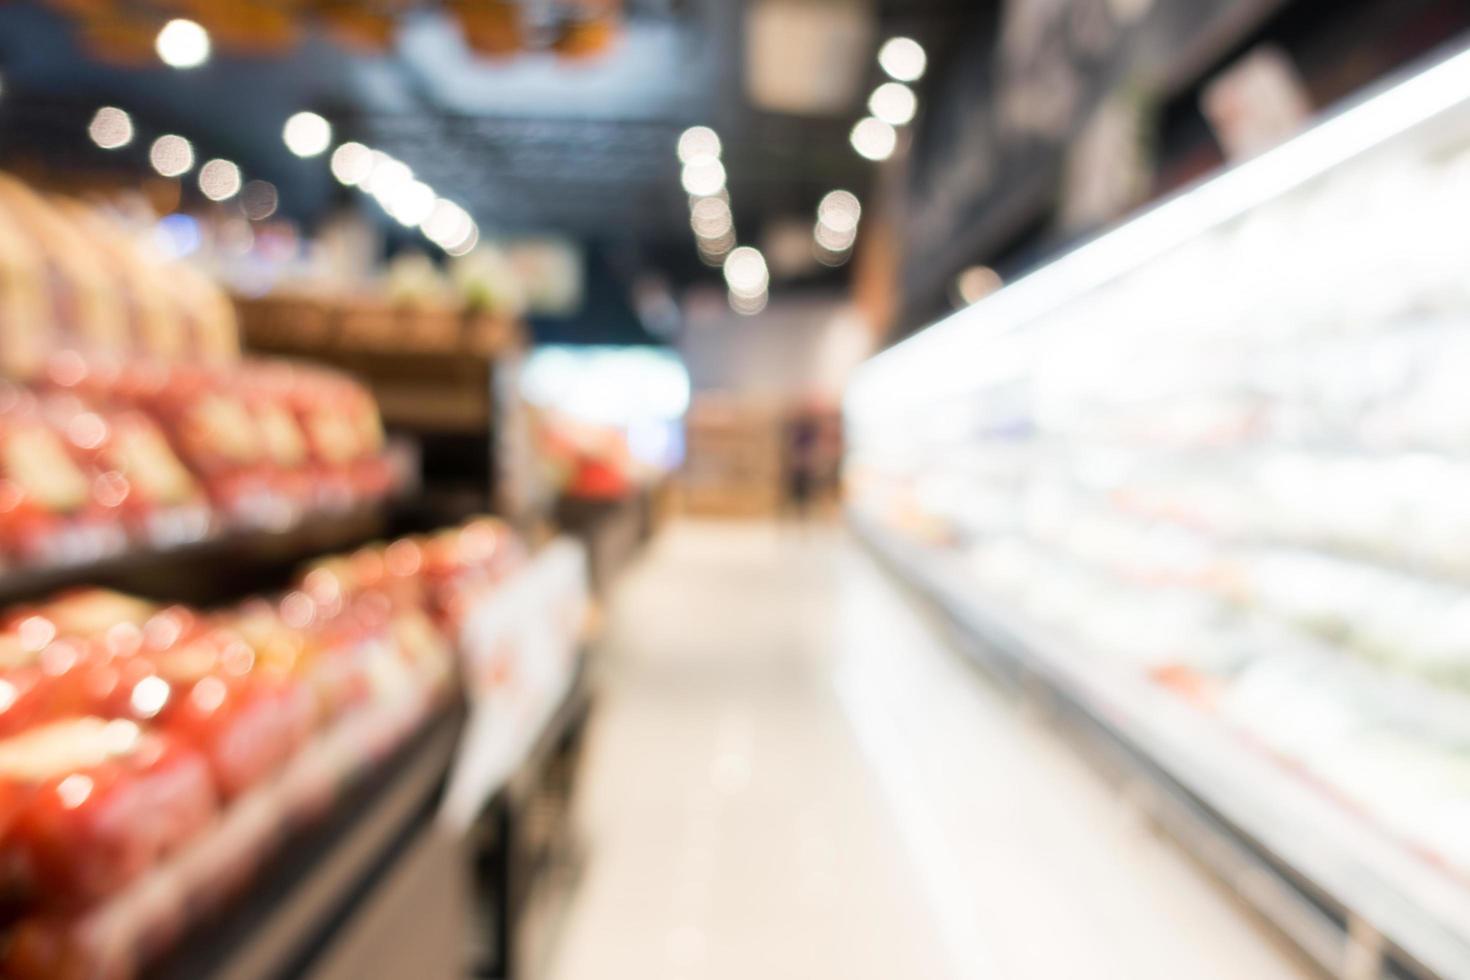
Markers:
(523, 832)
(450, 831)
(189, 570)
(1357, 903)
(309, 888)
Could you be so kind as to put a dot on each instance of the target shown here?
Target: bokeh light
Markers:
(182, 44)
(894, 103)
(745, 272)
(698, 143)
(976, 283)
(903, 59)
(219, 180)
(259, 199)
(352, 163)
(307, 134)
(111, 128)
(171, 156)
(411, 204)
(447, 224)
(749, 305)
(703, 177)
(874, 139)
(710, 218)
(840, 211)
(467, 244)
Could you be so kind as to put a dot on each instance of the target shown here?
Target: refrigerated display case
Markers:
(1202, 485)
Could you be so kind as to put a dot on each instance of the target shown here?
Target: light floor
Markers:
(791, 776)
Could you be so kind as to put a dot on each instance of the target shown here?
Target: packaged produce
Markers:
(50, 512)
(207, 691)
(94, 803)
(134, 470)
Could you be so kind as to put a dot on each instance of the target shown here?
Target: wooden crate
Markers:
(285, 322)
(431, 329)
(487, 334)
(292, 323)
(369, 323)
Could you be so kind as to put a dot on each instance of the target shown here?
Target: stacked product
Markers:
(129, 420)
(97, 458)
(150, 756)
(73, 278)
(412, 307)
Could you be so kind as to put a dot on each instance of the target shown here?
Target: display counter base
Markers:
(524, 833)
(1356, 904)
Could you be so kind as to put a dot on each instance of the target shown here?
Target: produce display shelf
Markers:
(315, 533)
(570, 713)
(1355, 901)
(309, 888)
(449, 392)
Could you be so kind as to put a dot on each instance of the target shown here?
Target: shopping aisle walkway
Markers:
(790, 776)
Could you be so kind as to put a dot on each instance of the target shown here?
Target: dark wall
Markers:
(987, 161)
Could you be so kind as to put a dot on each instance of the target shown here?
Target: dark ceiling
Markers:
(530, 144)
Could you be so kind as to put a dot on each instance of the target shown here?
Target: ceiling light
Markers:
(411, 204)
(447, 224)
(874, 139)
(698, 143)
(714, 250)
(710, 217)
(703, 176)
(259, 200)
(171, 156)
(832, 240)
(830, 258)
(351, 163)
(745, 272)
(903, 59)
(386, 177)
(111, 128)
(307, 134)
(182, 44)
(467, 244)
(717, 243)
(749, 305)
(840, 211)
(219, 180)
(894, 103)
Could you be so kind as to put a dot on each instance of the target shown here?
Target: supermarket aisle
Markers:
(791, 777)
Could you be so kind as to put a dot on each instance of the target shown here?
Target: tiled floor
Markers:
(791, 776)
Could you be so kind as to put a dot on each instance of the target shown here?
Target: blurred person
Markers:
(802, 463)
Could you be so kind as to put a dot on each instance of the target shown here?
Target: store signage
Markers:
(521, 647)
